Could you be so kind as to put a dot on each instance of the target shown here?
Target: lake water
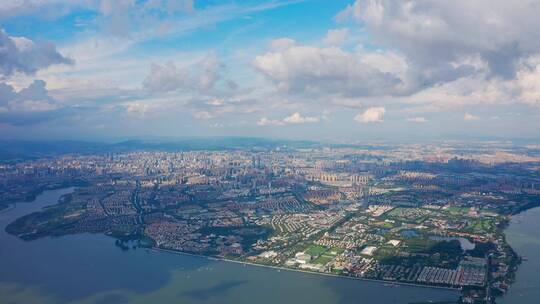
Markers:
(524, 236)
(89, 268)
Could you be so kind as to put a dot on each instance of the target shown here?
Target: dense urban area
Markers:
(404, 214)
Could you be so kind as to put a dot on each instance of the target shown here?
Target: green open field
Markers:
(458, 210)
(385, 252)
(336, 250)
(386, 225)
(409, 215)
(417, 244)
(329, 255)
(315, 250)
(323, 259)
(480, 226)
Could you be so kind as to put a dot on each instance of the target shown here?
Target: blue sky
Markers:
(313, 69)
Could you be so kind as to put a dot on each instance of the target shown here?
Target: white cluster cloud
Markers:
(373, 114)
(439, 31)
(336, 36)
(487, 42)
(418, 119)
(19, 54)
(33, 98)
(216, 102)
(432, 55)
(414, 57)
(201, 76)
(165, 78)
(470, 117)
(209, 73)
(528, 81)
(138, 108)
(27, 106)
(282, 44)
(295, 118)
(270, 122)
(299, 69)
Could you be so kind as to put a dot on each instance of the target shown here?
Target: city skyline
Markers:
(318, 70)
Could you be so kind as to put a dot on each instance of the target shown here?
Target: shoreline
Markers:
(172, 251)
(9, 207)
(511, 217)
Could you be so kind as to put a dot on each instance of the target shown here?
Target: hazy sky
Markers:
(313, 69)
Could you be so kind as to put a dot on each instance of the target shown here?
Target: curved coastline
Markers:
(382, 282)
(523, 237)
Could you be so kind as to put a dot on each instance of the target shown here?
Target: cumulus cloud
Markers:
(165, 78)
(19, 54)
(209, 73)
(417, 119)
(435, 32)
(269, 122)
(34, 98)
(374, 114)
(117, 14)
(295, 118)
(29, 105)
(411, 71)
(201, 76)
(463, 92)
(336, 36)
(528, 80)
(140, 109)
(7, 93)
(458, 53)
(216, 102)
(470, 117)
(299, 69)
(282, 44)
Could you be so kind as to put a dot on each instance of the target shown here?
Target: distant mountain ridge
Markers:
(12, 150)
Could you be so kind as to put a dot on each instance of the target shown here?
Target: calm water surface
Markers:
(91, 269)
(524, 236)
